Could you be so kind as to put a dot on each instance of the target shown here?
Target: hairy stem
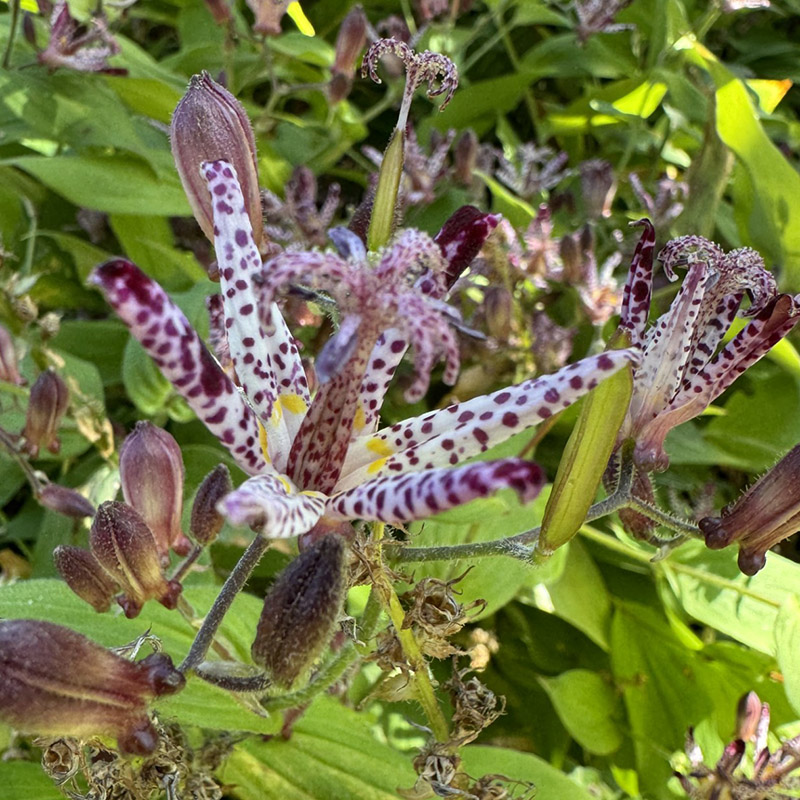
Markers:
(235, 583)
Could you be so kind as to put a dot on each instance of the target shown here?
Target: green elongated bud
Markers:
(381, 224)
(584, 460)
(300, 611)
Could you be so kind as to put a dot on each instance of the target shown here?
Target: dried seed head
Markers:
(301, 610)
(475, 706)
(206, 521)
(61, 759)
(65, 501)
(84, 575)
(210, 124)
(126, 549)
(55, 681)
(9, 362)
(152, 474)
(48, 403)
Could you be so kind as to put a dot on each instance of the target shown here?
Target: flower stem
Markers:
(235, 583)
(410, 646)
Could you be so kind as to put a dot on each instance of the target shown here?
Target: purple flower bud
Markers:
(65, 501)
(152, 474)
(207, 522)
(55, 682)
(301, 610)
(210, 124)
(126, 549)
(466, 156)
(84, 575)
(268, 15)
(9, 367)
(766, 514)
(462, 237)
(598, 187)
(47, 405)
(350, 42)
(220, 10)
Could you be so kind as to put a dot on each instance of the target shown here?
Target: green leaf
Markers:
(549, 781)
(24, 780)
(116, 184)
(787, 638)
(332, 754)
(587, 706)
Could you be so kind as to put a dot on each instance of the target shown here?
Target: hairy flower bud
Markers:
(47, 405)
(56, 682)
(300, 611)
(767, 513)
(350, 42)
(498, 307)
(9, 366)
(206, 521)
(126, 549)
(152, 474)
(210, 124)
(84, 575)
(65, 501)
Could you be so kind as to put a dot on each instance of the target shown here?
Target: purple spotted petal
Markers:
(257, 357)
(702, 388)
(269, 504)
(639, 286)
(403, 498)
(461, 238)
(166, 335)
(446, 437)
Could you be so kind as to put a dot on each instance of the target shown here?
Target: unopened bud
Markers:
(65, 501)
(206, 521)
(126, 549)
(210, 124)
(598, 187)
(466, 156)
(268, 15)
(50, 325)
(84, 575)
(300, 611)
(350, 42)
(748, 716)
(220, 11)
(767, 513)
(152, 475)
(47, 405)
(56, 682)
(572, 260)
(497, 305)
(9, 363)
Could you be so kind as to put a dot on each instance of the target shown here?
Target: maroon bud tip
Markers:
(715, 533)
(161, 674)
(751, 562)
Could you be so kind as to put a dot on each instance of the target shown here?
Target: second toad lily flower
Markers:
(683, 368)
(323, 459)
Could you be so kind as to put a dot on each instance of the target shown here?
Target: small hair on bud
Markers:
(206, 522)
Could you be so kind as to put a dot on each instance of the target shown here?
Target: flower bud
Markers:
(9, 365)
(126, 549)
(152, 474)
(749, 714)
(498, 305)
(53, 681)
(268, 15)
(220, 10)
(65, 501)
(47, 405)
(466, 156)
(598, 187)
(210, 124)
(206, 521)
(350, 42)
(461, 238)
(84, 575)
(767, 513)
(300, 611)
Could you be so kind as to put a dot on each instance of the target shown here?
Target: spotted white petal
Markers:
(403, 498)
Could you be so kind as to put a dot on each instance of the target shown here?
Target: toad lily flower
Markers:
(682, 371)
(323, 460)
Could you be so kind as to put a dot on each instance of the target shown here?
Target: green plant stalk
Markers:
(381, 224)
(411, 649)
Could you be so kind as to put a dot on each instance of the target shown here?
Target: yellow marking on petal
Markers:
(286, 485)
(320, 495)
(293, 403)
(262, 440)
(380, 446)
(300, 19)
(359, 420)
(376, 465)
(277, 412)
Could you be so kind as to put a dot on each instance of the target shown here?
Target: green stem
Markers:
(663, 517)
(12, 29)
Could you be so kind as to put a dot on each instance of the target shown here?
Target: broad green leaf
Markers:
(551, 783)
(116, 184)
(24, 780)
(787, 641)
(199, 704)
(102, 342)
(332, 754)
(514, 209)
(588, 707)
